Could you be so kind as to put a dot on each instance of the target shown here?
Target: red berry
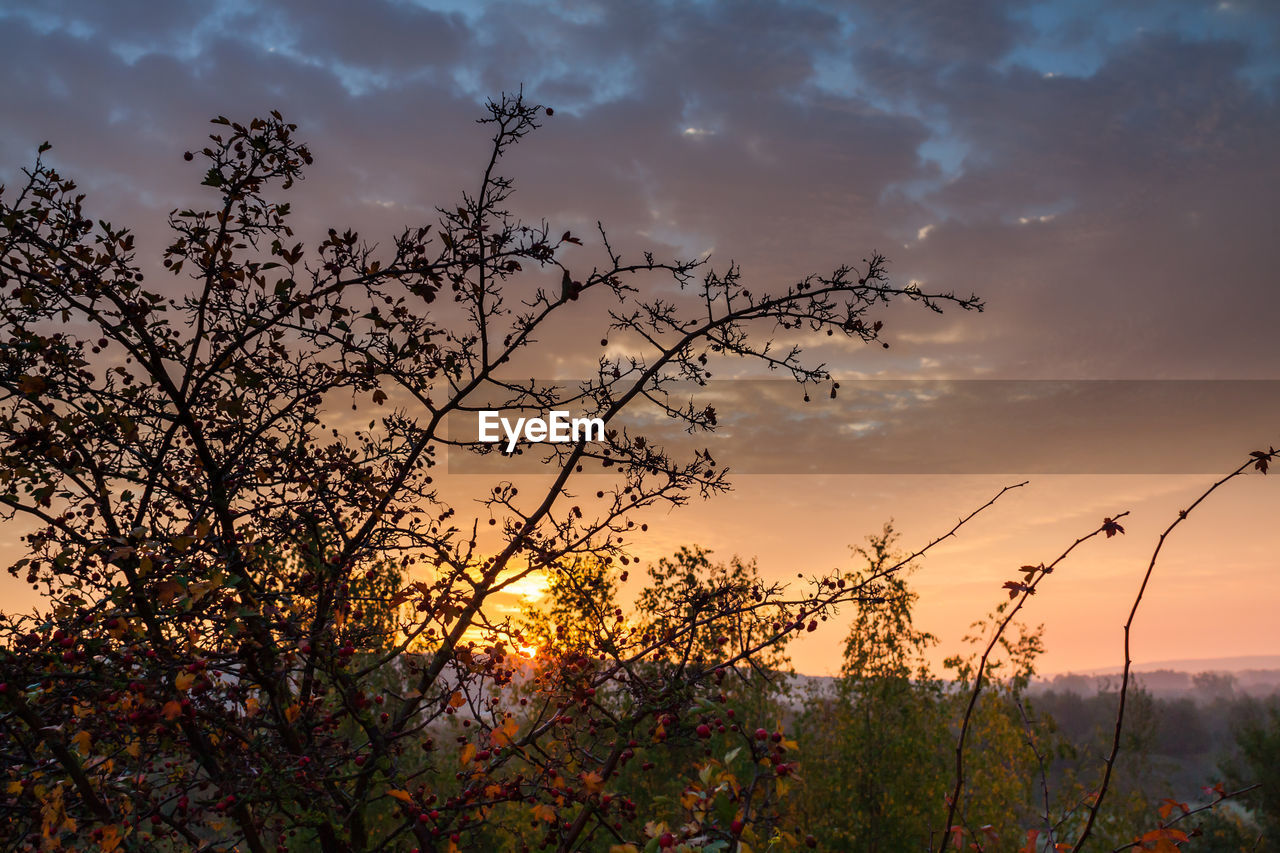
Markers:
(704, 731)
(762, 734)
(666, 839)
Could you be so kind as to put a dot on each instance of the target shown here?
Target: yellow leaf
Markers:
(457, 700)
(624, 848)
(402, 796)
(251, 705)
(468, 753)
(111, 838)
(291, 713)
(82, 741)
(13, 788)
(200, 589)
(171, 710)
(184, 681)
(543, 811)
(593, 781)
(505, 733)
(134, 748)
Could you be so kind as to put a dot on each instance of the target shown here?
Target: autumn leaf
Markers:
(544, 812)
(1167, 806)
(1162, 840)
(1262, 458)
(184, 681)
(592, 781)
(111, 838)
(504, 734)
(82, 741)
(32, 384)
(457, 700)
(402, 796)
(171, 710)
(167, 591)
(1111, 527)
(467, 753)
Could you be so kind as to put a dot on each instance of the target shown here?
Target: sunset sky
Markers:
(1104, 175)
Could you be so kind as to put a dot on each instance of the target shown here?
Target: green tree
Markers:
(875, 742)
(1257, 762)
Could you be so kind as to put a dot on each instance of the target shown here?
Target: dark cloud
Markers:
(1116, 215)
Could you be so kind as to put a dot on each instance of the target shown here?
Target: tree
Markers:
(1257, 736)
(878, 737)
(187, 687)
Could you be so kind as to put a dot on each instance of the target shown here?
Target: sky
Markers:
(1104, 175)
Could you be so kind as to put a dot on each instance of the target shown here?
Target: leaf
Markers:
(544, 812)
(402, 796)
(32, 384)
(1167, 805)
(1111, 527)
(467, 753)
(167, 591)
(505, 733)
(593, 781)
(1262, 458)
(1016, 587)
(184, 681)
(82, 740)
(1162, 840)
(379, 397)
(111, 838)
(457, 700)
(291, 713)
(172, 710)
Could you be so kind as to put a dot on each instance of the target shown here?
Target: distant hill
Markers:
(1203, 679)
(1231, 664)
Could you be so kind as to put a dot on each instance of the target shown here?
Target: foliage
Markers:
(1258, 738)
(205, 525)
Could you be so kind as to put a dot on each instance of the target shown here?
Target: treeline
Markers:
(870, 755)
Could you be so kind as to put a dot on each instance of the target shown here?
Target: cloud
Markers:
(789, 136)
